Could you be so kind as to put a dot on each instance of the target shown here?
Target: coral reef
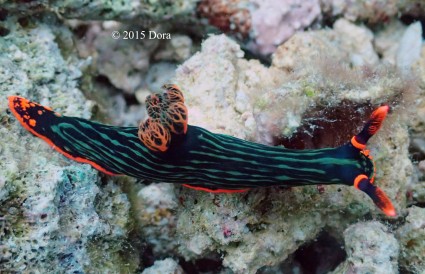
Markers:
(273, 22)
(130, 56)
(260, 222)
(107, 10)
(55, 217)
(154, 206)
(229, 16)
(409, 49)
(260, 25)
(412, 240)
(267, 23)
(177, 49)
(348, 43)
(164, 267)
(371, 11)
(371, 249)
(322, 84)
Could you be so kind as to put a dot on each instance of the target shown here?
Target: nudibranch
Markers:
(166, 148)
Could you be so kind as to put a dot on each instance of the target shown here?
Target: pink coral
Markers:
(268, 23)
(274, 22)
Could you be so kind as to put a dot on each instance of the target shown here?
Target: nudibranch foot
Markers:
(167, 116)
(215, 191)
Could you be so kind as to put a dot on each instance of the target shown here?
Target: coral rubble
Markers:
(320, 86)
(55, 217)
(371, 248)
(412, 239)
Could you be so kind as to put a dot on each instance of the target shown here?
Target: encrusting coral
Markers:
(61, 216)
(242, 229)
(412, 240)
(55, 216)
(371, 248)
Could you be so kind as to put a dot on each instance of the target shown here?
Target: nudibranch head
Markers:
(167, 115)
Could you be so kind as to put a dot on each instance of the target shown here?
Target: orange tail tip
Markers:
(377, 195)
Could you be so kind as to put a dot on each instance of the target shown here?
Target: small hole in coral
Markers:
(4, 31)
(23, 21)
(321, 255)
(3, 14)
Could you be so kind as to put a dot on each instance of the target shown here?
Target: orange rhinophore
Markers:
(376, 194)
(371, 127)
(376, 119)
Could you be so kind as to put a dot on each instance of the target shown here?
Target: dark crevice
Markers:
(4, 31)
(410, 19)
(204, 265)
(3, 14)
(320, 256)
(325, 126)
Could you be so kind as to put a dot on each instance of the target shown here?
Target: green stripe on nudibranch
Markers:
(164, 148)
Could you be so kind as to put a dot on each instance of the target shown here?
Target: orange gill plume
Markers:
(167, 115)
(173, 93)
(175, 118)
(154, 135)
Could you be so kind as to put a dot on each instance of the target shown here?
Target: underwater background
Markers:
(302, 74)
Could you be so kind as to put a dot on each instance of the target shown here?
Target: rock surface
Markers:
(412, 240)
(56, 214)
(371, 248)
(61, 216)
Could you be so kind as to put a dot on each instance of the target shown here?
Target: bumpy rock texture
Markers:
(107, 9)
(260, 222)
(412, 239)
(371, 248)
(55, 217)
(167, 266)
(262, 25)
(154, 207)
(60, 216)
